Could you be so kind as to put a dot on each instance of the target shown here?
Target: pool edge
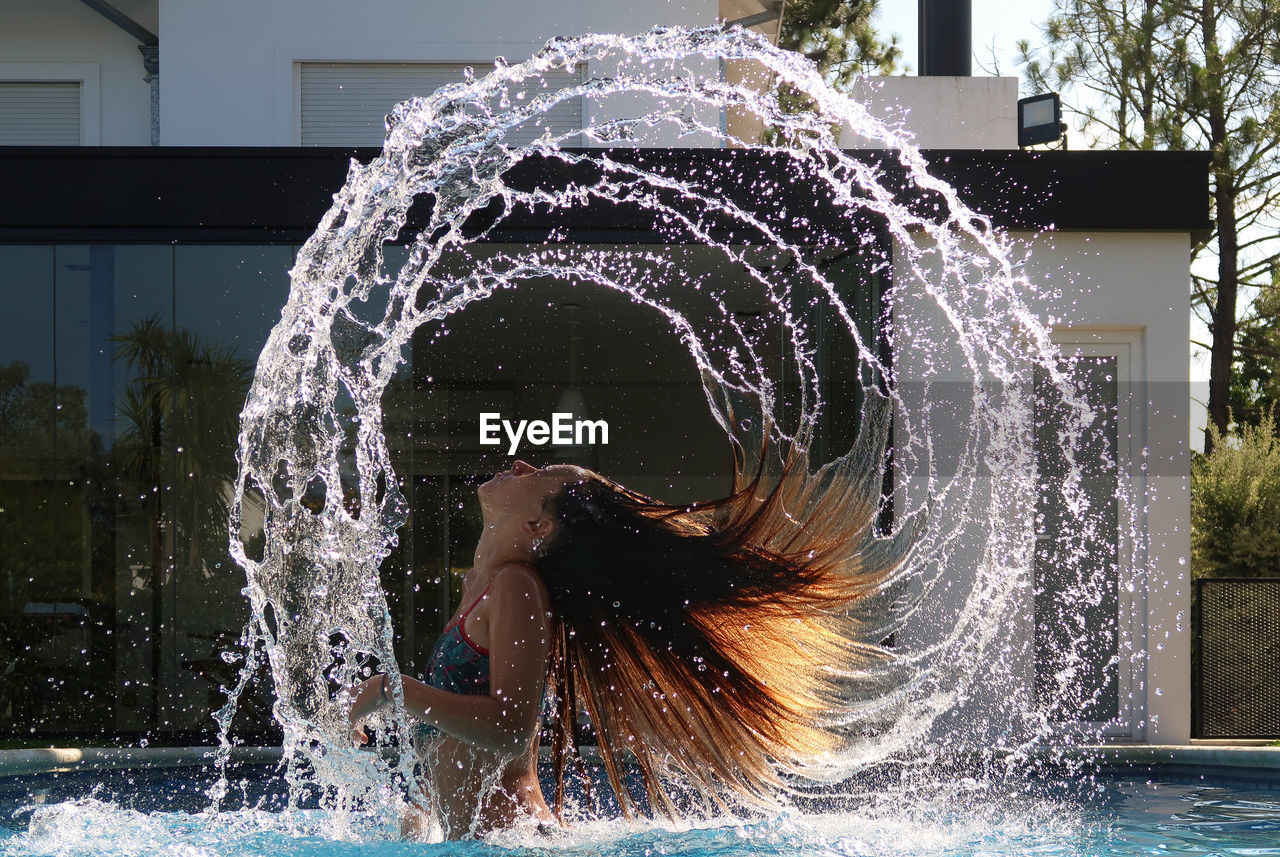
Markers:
(1267, 758)
(51, 760)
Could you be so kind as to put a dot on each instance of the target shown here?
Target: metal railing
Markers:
(1235, 656)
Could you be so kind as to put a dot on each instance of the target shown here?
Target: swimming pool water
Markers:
(163, 813)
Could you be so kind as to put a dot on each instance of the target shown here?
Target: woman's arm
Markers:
(519, 644)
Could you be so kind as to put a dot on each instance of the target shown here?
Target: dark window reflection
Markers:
(122, 373)
(134, 313)
(123, 370)
(226, 300)
(42, 626)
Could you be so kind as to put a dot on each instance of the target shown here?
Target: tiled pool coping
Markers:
(1267, 758)
(1222, 765)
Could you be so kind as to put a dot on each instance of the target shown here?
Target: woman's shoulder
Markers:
(519, 579)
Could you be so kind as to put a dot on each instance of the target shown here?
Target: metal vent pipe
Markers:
(946, 38)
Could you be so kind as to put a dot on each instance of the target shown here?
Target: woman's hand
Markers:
(366, 698)
(505, 719)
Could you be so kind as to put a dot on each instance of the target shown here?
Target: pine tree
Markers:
(839, 37)
(1187, 74)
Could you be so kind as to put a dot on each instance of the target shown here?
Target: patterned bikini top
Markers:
(457, 664)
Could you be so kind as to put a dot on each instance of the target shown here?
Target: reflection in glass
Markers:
(117, 437)
(226, 299)
(39, 625)
(123, 370)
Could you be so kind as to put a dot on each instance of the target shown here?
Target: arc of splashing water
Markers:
(452, 146)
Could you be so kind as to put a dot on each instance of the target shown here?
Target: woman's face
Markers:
(523, 489)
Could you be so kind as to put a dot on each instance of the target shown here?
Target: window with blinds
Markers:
(346, 103)
(39, 113)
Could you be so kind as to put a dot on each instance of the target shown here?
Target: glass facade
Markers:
(123, 369)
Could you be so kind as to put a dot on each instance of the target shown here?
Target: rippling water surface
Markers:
(963, 818)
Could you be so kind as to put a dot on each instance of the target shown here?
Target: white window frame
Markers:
(1125, 343)
(87, 74)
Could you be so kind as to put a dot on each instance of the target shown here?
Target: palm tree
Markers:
(180, 417)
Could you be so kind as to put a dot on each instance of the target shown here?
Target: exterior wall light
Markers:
(1040, 120)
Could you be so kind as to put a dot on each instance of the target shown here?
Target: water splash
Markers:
(957, 323)
(1124, 819)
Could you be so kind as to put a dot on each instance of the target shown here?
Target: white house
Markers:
(164, 159)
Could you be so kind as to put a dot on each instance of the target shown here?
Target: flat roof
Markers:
(278, 195)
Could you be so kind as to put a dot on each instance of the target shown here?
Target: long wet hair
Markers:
(716, 645)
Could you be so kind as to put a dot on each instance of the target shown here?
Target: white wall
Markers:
(943, 112)
(1127, 292)
(229, 75)
(1109, 281)
(66, 40)
(228, 68)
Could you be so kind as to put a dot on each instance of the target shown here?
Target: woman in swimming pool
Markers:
(699, 640)
(485, 680)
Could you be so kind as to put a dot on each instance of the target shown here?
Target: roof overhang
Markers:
(278, 195)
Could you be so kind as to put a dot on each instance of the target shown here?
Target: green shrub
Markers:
(1235, 504)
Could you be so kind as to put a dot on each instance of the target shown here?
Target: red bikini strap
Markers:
(462, 617)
